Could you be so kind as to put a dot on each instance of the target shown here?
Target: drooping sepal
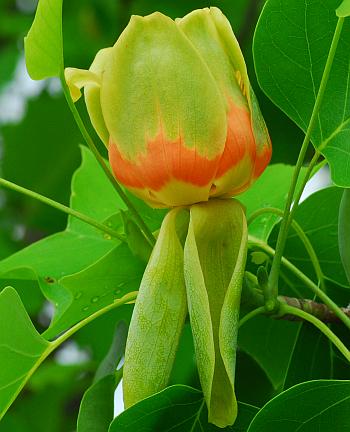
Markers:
(158, 316)
(214, 261)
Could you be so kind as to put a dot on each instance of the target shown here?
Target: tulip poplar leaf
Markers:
(158, 317)
(269, 190)
(115, 353)
(97, 286)
(21, 347)
(178, 408)
(291, 45)
(311, 357)
(344, 231)
(315, 405)
(43, 44)
(215, 255)
(75, 249)
(97, 406)
(319, 218)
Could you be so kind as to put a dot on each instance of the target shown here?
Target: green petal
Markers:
(158, 316)
(156, 83)
(214, 260)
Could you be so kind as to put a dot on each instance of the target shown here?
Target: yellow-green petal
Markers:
(227, 69)
(155, 85)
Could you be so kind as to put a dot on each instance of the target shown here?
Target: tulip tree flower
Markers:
(172, 102)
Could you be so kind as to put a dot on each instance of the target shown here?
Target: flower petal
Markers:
(156, 82)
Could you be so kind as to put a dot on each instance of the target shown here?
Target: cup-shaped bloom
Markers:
(173, 103)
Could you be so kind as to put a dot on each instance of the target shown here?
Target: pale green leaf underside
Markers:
(291, 45)
(21, 347)
(43, 44)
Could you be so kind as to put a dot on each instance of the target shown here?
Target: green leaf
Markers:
(92, 194)
(21, 347)
(97, 286)
(344, 231)
(270, 190)
(315, 405)
(76, 248)
(343, 9)
(310, 358)
(49, 151)
(137, 241)
(318, 216)
(116, 351)
(291, 45)
(252, 385)
(214, 261)
(158, 317)
(161, 413)
(43, 44)
(42, 407)
(97, 406)
(275, 347)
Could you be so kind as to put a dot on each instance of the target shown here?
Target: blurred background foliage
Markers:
(39, 149)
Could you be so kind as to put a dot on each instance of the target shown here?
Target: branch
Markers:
(253, 298)
(319, 310)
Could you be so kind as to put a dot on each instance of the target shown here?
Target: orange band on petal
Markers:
(164, 160)
(240, 139)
